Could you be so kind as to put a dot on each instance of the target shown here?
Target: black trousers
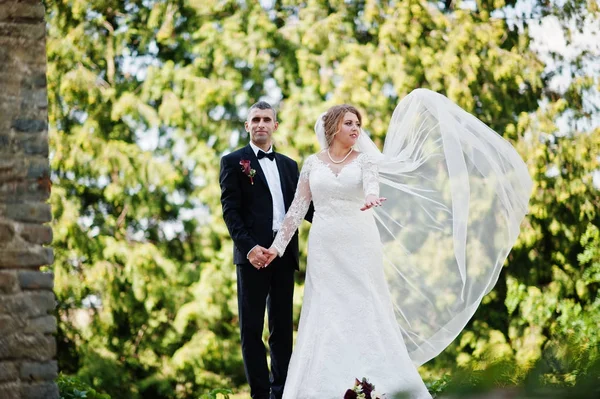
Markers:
(271, 288)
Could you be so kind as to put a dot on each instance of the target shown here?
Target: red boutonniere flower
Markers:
(247, 170)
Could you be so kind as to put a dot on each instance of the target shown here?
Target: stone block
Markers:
(34, 98)
(28, 304)
(46, 371)
(21, 55)
(10, 98)
(26, 257)
(45, 325)
(27, 212)
(7, 143)
(8, 371)
(34, 80)
(36, 144)
(30, 125)
(38, 347)
(10, 390)
(29, 79)
(34, 280)
(21, 12)
(7, 232)
(11, 162)
(12, 168)
(33, 32)
(22, 190)
(38, 167)
(8, 282)
(36, 234)
(11, 323)
(5, 56)
(11, 83)
(6, 349)
(41, 302)
(45, 390)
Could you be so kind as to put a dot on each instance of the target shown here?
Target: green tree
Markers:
(145, 96)
(550, 287)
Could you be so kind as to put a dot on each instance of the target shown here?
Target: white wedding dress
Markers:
(347, 325)
(389, 288)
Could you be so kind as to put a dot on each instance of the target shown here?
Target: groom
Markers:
(257, 188)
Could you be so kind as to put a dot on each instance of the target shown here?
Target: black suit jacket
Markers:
(248, 208)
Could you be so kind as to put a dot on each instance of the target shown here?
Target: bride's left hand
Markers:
(372, 201)
(271, 255)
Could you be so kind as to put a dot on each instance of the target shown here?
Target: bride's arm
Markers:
(370, 178)
(297, 211)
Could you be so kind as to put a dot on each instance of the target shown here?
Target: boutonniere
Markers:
(248, 171)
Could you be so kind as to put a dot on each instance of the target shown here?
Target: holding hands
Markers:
(260, 257)
(372, 201)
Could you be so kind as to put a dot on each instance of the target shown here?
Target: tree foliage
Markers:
(145, 96)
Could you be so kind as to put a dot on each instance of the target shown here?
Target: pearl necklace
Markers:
(343, 159)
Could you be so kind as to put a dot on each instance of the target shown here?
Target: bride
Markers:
(389, 287)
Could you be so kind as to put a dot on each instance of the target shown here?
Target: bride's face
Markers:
(349, 130)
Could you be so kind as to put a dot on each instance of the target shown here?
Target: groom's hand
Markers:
(258, 257)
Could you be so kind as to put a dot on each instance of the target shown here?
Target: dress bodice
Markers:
(335, 190)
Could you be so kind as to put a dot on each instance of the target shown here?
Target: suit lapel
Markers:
(260, 175)
(282, 169)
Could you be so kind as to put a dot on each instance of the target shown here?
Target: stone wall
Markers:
(27, 346)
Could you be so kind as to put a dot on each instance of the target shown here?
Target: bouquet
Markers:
(363, 390)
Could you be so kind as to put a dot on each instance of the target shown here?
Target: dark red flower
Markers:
(367, 387)
(364, 387)
(245, 165)
(247, 170)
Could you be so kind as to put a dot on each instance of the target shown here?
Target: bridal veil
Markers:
(456, 195)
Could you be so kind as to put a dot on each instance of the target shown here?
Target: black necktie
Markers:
(261, 154)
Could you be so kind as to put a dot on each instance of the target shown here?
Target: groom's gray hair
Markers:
(263, 105)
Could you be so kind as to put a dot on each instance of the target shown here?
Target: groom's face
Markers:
(261, 124)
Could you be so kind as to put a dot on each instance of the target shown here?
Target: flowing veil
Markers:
(456, 195)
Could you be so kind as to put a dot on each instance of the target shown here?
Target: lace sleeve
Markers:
(297, 210)
(370, 176)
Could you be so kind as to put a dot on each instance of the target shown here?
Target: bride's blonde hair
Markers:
(333, 119)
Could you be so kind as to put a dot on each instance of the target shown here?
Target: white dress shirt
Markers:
(272, 174)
